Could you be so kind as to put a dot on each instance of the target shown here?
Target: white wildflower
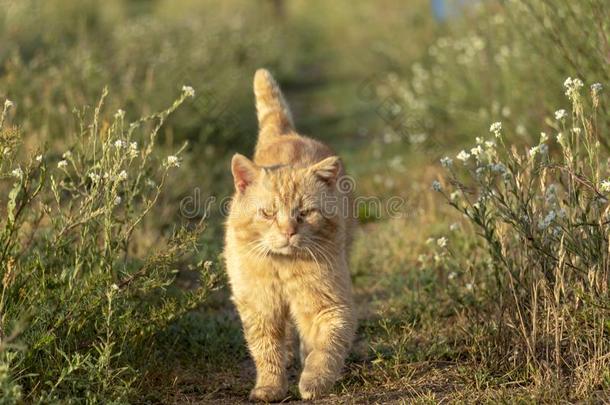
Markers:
(550, 217)
(39, 158)
(446, 161)
(535, 150)
(118, 200)
(572, 86)
(8, 104)
(454, 226)
(498, 168)
(18, 173)
(441, 242)
(596, 87)
(120, 114)
(133, 149)
(62, 164)
(560, 114)
(172, 161)
(122, 176)
(543, 137)
(436, 186)
(605, 186)
(67, 154)
(576, 130)
(452, 275)
(495, 128)
(490, 144)
(119, 144)
(463, 156)
(188, 91)
(429, 241)
(94, 177)
(469, 286)
(114, 287)
(577, 83)
(479, 140)
(476, 151)
(454, 196)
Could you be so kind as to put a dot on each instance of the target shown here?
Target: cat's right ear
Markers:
(244, 172)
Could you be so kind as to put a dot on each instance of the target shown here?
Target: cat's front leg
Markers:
(327, 335)
(264, 322)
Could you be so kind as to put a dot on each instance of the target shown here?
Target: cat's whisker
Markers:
(328, 245)
(326, 258)
(313, 256)
(258, 251)
(264, 251)
(321, 243)
(327, 254)
(322, 251)
(321, 239)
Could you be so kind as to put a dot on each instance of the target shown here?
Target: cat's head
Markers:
(286, 210)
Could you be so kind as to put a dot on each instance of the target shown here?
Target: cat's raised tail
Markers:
(274, 116)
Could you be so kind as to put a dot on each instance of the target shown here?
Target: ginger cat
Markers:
(286, 246)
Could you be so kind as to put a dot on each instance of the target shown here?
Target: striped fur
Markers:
(286, 254)
(274, 116)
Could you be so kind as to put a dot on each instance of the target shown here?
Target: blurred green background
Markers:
(392, 85)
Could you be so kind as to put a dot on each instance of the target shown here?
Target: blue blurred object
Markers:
(444, 10)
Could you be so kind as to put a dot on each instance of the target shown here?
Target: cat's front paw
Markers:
(312, 387)
(267, 393)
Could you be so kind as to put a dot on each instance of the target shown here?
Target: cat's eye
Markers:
(306, 213)
(267, 214)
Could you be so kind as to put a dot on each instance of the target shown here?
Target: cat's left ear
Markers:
(328, 169)
(244, 172)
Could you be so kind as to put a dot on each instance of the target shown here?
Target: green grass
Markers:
(125, 301)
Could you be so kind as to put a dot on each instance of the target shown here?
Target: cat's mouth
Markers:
(287, 250)
(286, 247)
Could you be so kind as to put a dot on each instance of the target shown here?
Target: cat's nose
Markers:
(290, 231)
